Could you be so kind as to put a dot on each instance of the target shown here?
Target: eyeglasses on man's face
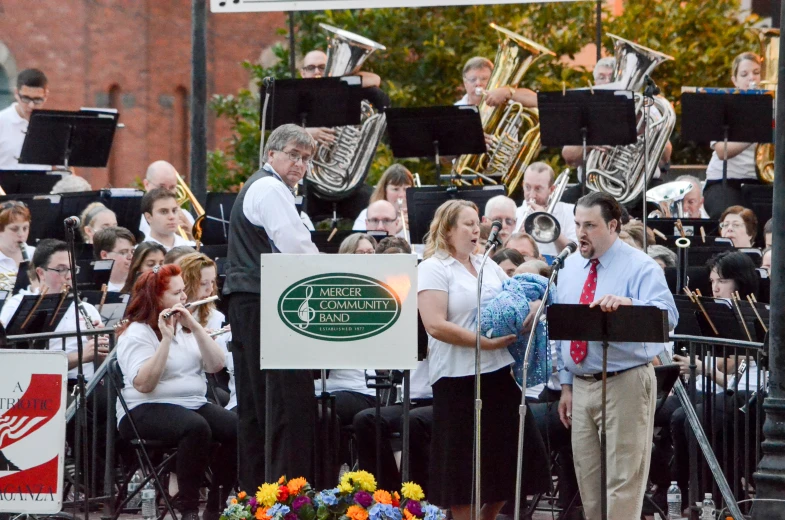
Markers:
(506, 221)
(62, 271)
(313, 68)
(296, 157)
(382, 221)
(26, 100)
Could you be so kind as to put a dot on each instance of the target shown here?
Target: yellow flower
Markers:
(267, 494)
(296, 485)
(412, 491)
(241, 495)
(365, 480)
(345, 487)
(382, 497)
(357, 513)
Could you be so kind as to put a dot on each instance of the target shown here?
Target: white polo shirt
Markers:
(12, 136)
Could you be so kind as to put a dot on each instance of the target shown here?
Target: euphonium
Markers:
(339, 168)
(620, 172)
(770, 53)
(184, 194)
(515, 128)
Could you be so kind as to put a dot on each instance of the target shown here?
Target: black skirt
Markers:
(452, 441)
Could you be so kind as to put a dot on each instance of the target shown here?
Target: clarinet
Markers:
(25, 256)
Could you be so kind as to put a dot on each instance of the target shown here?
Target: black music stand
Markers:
(726, 117)
(93, 274)
(28, 181)
(435, 131)
(627, 324)
(313, 102)
(69, 138)
(587, 118)
(37, 314)
(110, 305)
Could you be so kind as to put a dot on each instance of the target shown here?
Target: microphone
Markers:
(493, 238)
(268, 82)
(569, 249)
(651, 88)
(72, 221)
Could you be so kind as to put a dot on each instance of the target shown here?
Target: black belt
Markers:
(598, 377)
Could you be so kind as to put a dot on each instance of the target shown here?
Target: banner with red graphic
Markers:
(32, 430)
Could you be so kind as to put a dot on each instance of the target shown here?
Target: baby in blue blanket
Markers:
(505, 315)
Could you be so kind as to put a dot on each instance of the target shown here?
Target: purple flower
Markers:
(363, 498)
(252, 502)
(299, 502)
(414, 508)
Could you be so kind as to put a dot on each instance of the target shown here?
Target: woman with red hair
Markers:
(162, 361)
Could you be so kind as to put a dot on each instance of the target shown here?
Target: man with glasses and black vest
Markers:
(264, 219)
(30, 93)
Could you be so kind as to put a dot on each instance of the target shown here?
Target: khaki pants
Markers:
(631, 398)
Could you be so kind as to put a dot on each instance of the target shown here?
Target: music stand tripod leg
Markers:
(603, 441)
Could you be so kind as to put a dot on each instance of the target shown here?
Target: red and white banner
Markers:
(32, 430)
(245, 6)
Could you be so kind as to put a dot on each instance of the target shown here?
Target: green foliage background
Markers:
(427, 47)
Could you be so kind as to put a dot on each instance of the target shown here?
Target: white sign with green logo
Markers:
(339, 311)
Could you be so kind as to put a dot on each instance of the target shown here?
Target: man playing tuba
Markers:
(476, 74)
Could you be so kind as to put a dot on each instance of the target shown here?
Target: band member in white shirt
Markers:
(161, 211)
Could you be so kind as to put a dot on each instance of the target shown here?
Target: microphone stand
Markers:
(649, 92)
(81, 404)
(477, 398)
(523, 407)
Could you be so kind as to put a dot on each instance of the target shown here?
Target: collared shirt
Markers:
(178, 241)
(622, 271)
(565, 215)
(442, 272)
(12, 136)
(8, 265)
(269, 204)
(463, 101)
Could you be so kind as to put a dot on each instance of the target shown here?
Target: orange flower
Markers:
(241, 495)
(234, 501)
(382, 497)
(296, 485)
(261, 514)
(357, 513)
(407, 514)
(282, 479)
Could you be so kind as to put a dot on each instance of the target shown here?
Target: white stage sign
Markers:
(245, 6)
(32, 430)
(339, 311)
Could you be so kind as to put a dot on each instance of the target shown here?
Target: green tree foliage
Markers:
(427, 47)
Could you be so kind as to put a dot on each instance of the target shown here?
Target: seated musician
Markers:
(174, 255)
(524, 244)
(71, 184)
(163, 361)
(538, 185)
(32, 89)
(476, 74)
(692, 203)
(161, 211)
(662, 255)
(94, 218)
(147, 255)
(382, 216)
(501, 208)
(391, 187)
(115, 243)
(358, 244)
(14, 230)
(740, 156)
(740, 225)
(161, 174)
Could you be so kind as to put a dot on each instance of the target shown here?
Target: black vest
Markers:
(246, 243)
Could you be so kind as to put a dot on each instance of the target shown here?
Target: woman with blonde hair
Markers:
(447, 299)
(358, 244)
(93, 219)
(391, 187)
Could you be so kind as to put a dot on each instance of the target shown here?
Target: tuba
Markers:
(620, 172)
(770, 53)
(341, 167)
(670, 198)
(515, 128)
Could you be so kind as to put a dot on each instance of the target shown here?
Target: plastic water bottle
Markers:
(133, 485)
(149, 511)
(674, 501)
(708, 508)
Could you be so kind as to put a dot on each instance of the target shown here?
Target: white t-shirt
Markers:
(444, 273)
(182, 381)
(178, 241)
(8, 265)
(214, 322)
(352, 380)
(144, 226)
(741, 166)
(12, 137)
(114, 287)
(564, 213)
(67, 324)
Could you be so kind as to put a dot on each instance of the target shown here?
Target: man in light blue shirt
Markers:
(624, 276)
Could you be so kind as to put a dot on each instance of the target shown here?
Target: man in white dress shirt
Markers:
(265, 220)
(382, 216)
(161, 174)
(162, 214)
(31, 92)
(538, 185)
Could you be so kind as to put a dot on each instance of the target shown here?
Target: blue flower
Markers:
(432, 513)
(384, 512)
(278, 511)
(327, 497)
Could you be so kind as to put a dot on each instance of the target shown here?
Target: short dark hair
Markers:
(45, 249)
(508, 254)
(105, 239)
(151, 197)
(32, 78)
(393, 243)
(609, 207)
(736, 266)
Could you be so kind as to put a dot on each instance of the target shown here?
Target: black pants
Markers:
(420, 425)
(192, 431)
(293, 408)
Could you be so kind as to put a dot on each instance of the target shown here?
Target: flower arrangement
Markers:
(355, 498)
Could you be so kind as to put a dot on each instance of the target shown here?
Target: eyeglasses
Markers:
(296, 157)
(314, 68)
(26, 100)
(732, 225)
(382, 221)
(61, 270)
(506, 221)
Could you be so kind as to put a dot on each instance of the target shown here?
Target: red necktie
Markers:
(578, 349)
